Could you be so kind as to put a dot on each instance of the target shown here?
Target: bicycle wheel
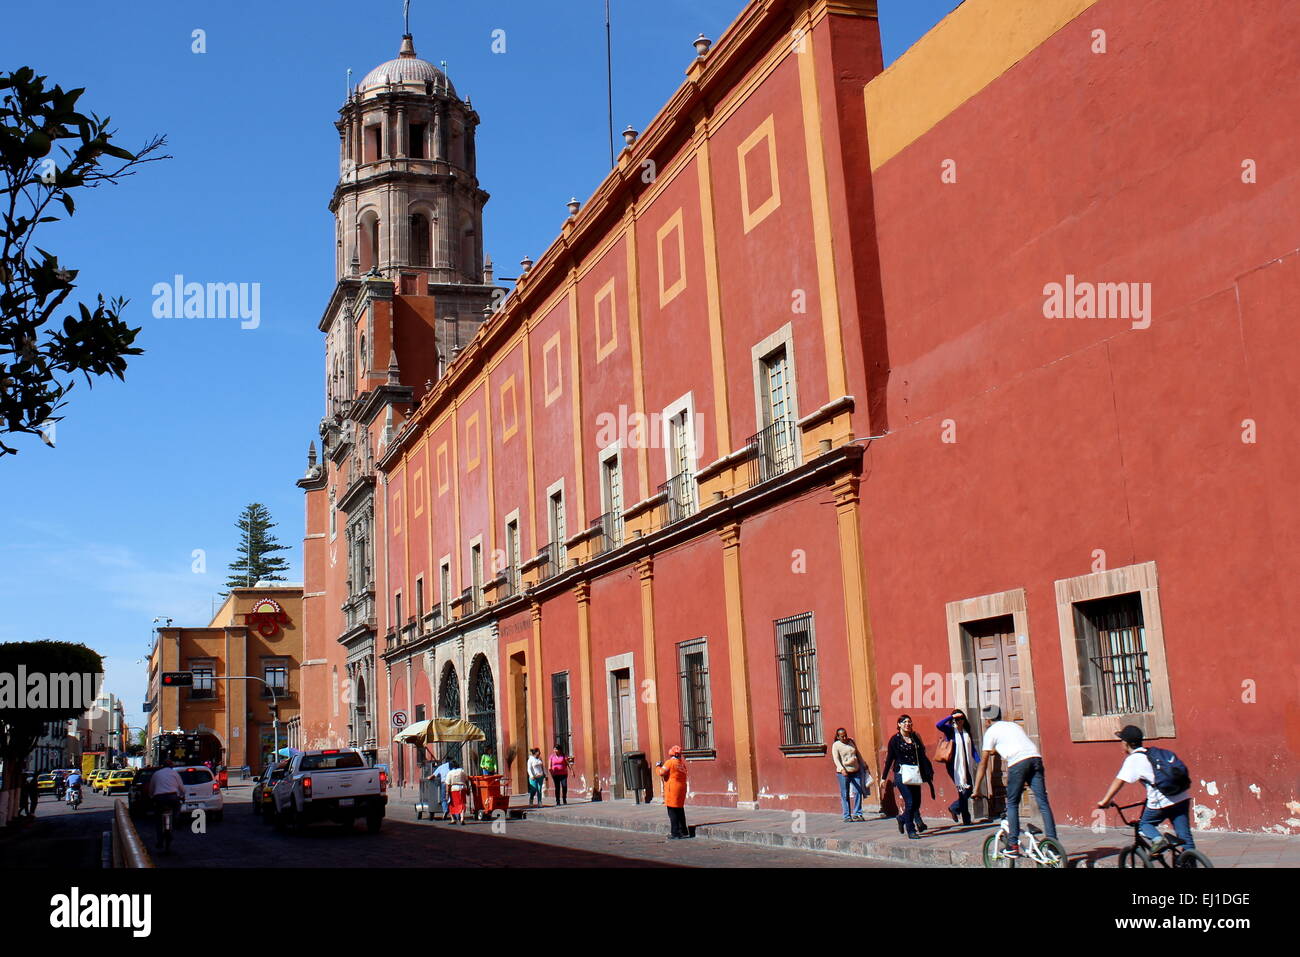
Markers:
(1193, 859)
(1053, 854)
(1134, 857)
(995, 851)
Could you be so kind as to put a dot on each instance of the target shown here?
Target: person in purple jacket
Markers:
(961, 763)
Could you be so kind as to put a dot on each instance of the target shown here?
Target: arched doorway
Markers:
(362, 723)
(449, 706)
(483, 709)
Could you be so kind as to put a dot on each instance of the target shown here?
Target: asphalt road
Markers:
(242, 839)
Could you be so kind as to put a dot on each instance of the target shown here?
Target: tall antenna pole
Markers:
(406, 16)
(609, 80)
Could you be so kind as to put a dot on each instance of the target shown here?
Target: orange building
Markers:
(784, 433)
(256, 633)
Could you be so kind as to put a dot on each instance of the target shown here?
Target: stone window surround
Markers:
(996, 605)
(1140, 578)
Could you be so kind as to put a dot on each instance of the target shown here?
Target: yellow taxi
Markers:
(93, 779)
(44, 782)
(118, 781)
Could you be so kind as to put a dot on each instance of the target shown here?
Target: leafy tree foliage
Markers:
(40, 358)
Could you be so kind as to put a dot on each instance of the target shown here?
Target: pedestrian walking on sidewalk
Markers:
(1024, 769)
(560, 775)
(31, 794)
(961, 756)
(458, 785)
(849, 771)
(536, 776)
(673, 771)
(911, 768)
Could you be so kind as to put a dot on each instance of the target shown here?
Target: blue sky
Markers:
(99, 536)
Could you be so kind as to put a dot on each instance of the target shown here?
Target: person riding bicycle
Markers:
(1160, 806)
(1024, 769)
(166, 790)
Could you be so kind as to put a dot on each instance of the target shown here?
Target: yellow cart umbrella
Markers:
(440, 731)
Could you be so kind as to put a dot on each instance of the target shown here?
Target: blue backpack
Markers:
(1171, 775)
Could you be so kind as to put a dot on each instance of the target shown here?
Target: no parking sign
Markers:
(399, 719)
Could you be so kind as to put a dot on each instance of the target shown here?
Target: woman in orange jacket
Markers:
(673, 771)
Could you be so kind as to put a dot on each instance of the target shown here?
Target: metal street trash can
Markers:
(636, 776)
(430, 801)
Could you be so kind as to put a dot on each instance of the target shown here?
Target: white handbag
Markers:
(910, 773)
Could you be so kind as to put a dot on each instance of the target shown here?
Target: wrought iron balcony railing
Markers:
(775, 451)
(679, 502)
(611, 531)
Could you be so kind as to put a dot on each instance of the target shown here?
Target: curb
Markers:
(874, 848)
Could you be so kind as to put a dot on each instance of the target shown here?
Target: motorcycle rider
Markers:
(74, 787)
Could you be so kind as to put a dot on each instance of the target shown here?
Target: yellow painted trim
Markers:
(964, 53)
(457, 560)
(528, 441)
(738, 665)
(552, 344)
(430, 571)
(576, 372)
(672, 225)
(473, 453)
(591, 756)
(713, 294)
(823, 239)
(646, 569)
(766, 131)
(861, 643)
(634, 336)
(508, 387)
(490, 477)
(541, 682)
(443, 461)
(604, 348)
(416, 477)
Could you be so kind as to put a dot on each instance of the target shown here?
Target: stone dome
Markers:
(406, 68)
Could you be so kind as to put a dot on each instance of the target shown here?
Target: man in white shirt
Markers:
(1160, 806)
(1024, 769)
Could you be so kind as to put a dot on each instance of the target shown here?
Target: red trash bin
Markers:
(489, 795)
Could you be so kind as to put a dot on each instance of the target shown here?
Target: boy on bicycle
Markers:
(1160, 806)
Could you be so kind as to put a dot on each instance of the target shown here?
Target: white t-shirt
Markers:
(535, 767)
(457, 779)
(166, 781)
(1011, 743)
(1137, 767)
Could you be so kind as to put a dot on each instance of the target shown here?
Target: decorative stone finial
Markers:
(702, 44)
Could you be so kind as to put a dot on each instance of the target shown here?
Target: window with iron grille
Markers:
(204, 684)
(796, 665)
(693, 679)
(1110, 640)
(560, 708)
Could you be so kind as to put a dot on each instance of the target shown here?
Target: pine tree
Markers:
(257, 560)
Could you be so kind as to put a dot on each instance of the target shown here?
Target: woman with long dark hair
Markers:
(962, 760)
(912, 768)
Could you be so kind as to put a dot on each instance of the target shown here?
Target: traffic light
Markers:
(178, 679)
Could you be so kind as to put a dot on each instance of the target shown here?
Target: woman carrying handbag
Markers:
(958, 751)
(912, 769)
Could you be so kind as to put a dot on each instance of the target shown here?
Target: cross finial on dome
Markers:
(406, 17)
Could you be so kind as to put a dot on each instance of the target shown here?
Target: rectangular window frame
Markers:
(1142, 579)
(791, 745)
(205, 673)
(275, 663)
(694, 700)
(562, 713)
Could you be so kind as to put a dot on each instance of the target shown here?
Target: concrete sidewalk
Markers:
(944, 845)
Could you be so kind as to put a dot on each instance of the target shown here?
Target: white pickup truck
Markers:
(330, 785)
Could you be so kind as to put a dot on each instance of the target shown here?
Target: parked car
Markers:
(262, 787)
(330, 785)
(118, 782)
(44, 783)
(137, 796)
(201, 792)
